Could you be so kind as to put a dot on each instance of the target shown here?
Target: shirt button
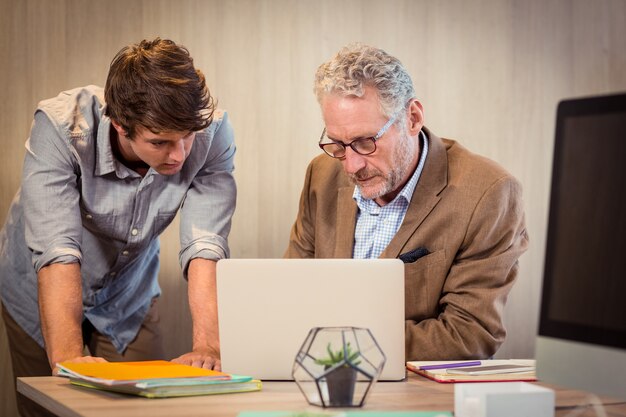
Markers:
(113, 274)
(89, 216)
(125, 253)
(134, 232)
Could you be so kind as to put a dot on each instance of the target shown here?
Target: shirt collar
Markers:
(106, 162)
(407, 191)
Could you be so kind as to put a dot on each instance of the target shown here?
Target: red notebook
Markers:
(444, 375)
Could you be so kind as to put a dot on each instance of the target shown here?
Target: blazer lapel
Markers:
(346, 222)
(433, 180)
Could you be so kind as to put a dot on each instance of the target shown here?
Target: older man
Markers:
(388, 187)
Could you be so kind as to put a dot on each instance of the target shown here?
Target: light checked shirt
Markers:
(78, 203)
(376, 225)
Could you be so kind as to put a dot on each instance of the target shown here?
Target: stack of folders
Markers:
(492, 370)
(155, 379)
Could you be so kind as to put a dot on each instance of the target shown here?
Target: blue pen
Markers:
(449, 365)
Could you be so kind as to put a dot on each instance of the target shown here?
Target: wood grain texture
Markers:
(489, 73)
(415, 394)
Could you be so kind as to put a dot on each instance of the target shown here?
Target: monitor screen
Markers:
(583, 306)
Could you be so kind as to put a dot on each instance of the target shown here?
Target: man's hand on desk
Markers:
(79, 359)
(206, 358)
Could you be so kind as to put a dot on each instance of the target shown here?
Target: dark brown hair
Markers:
(155, 85)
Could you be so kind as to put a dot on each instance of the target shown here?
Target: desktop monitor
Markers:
(582, 327)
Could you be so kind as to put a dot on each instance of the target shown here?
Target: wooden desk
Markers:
(417, 393)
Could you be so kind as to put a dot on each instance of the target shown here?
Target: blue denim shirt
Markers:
(77, 203)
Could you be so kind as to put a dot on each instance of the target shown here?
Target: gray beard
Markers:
(403, 155)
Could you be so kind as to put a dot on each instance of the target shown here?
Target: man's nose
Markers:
(353, 162)
(177, 151)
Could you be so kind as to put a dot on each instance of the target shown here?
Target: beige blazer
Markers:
(467, 212)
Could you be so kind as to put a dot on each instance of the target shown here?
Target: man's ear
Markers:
(416, 117)
(118, 128)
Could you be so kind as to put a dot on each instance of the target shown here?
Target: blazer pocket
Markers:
(423, 280)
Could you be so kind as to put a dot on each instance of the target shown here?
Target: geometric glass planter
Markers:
(338, 366)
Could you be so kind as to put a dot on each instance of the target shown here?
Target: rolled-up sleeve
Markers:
(51, 196)
(209, 205)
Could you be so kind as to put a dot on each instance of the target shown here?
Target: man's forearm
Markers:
(61, 311)
(203, 305)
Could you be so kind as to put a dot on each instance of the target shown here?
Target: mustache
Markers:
(363, 174)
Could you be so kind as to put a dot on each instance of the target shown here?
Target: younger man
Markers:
(105, 172)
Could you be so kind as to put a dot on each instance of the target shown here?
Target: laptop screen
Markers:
(266, 308)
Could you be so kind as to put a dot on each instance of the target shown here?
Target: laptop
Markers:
(266, 308)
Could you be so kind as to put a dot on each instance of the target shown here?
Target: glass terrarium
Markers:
(338, 366)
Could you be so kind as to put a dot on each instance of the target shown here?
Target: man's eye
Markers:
(157, 143)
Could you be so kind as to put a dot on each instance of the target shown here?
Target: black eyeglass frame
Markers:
(352, 145)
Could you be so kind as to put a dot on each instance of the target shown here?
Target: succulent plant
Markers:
(335, 357)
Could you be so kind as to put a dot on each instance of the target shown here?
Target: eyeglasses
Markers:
(362, 146)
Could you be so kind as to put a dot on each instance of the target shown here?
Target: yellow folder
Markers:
(134, 371)
(155, 379)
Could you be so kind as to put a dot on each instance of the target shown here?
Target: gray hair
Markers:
(356, 66)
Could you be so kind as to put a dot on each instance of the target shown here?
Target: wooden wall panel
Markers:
(489, 73)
